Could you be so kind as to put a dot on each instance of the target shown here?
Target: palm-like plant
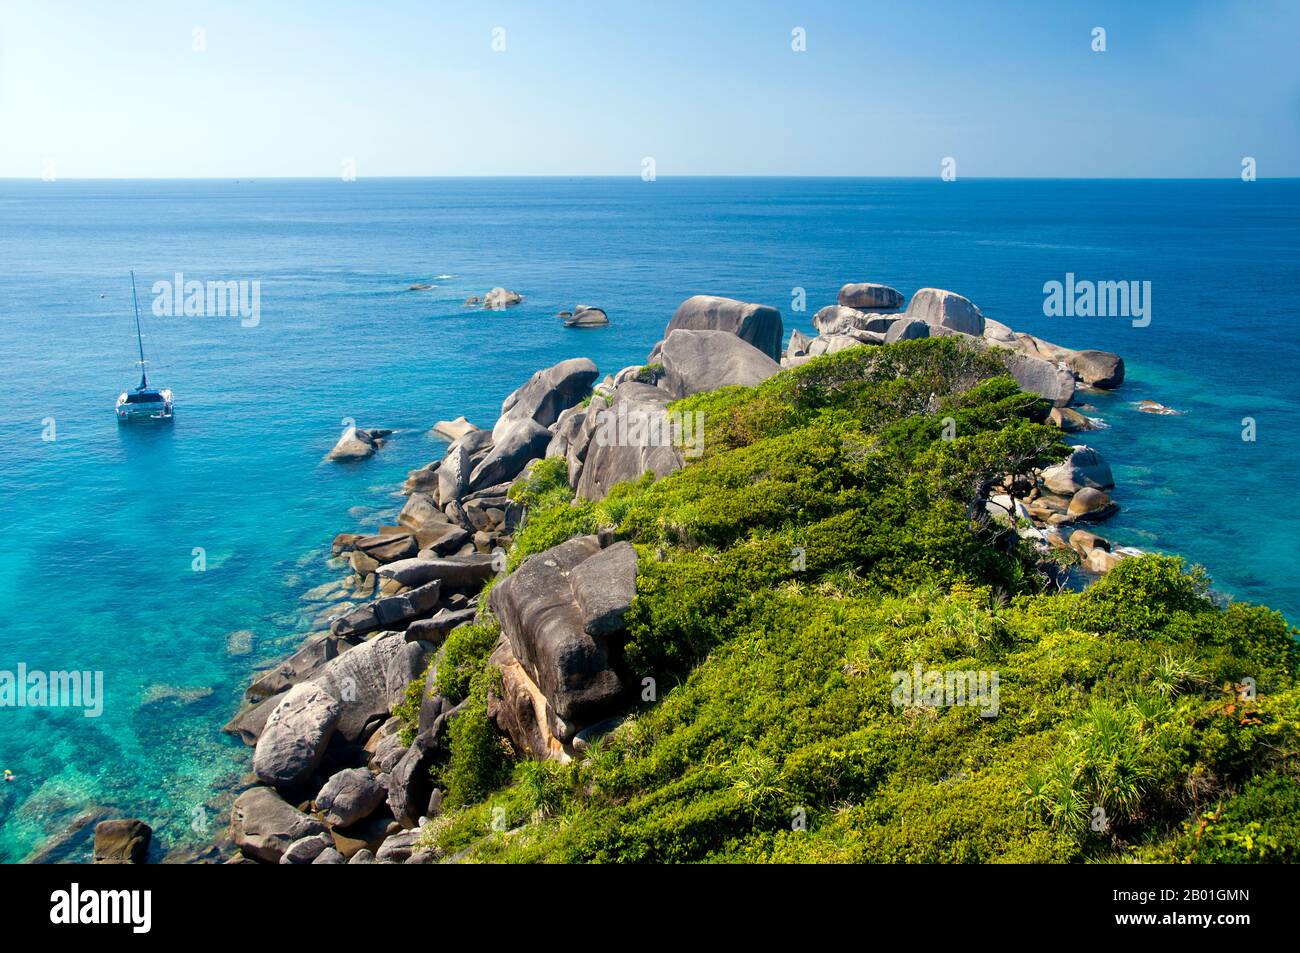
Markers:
(756, 779)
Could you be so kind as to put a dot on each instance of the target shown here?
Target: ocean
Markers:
(173, 558)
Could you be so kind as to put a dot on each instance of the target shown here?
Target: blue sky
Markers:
(416, 88)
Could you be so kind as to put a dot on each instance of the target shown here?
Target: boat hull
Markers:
(145, 410)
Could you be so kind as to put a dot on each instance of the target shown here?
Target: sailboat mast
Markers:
(144, 377)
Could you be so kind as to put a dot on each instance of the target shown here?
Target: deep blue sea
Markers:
(102, 522)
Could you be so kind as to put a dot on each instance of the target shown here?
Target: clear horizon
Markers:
(832, 89)
(721, 175)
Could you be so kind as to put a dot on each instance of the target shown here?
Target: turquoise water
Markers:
(103, 521)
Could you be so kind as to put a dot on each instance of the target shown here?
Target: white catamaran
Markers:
(144, 402)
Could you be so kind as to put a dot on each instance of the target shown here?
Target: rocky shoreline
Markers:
(339, 777)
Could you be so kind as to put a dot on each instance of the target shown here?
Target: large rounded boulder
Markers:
(547, 393)
(1083, 468)
(263, 826)
(1099, 369)
(563, 613)
(946, 309)
(757, 324)
(293, 742)
(868, 296)
(696, 361)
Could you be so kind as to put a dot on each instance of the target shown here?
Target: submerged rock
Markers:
(1152, 407)
(122, 841)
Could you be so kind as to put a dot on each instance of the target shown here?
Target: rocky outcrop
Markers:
(390, 612)
(1084, 467)
(453, 429)
(122, 841)
(1099, 369)
(1092, 504)
(696, 361)
(630, 436)
(563, 612)
(263, 826)
(369, 679)
(587, 317)
(946, 309)
(867, 296)
(454, 573)
(293, 742)
(517, 442)
(907, 329)
(498, 299)
(756, 324)
(1047, 380)
(562, 632)
(349, 796)
(357, 444)
(547, 393)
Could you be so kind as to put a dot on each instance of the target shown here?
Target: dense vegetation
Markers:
(831, 536)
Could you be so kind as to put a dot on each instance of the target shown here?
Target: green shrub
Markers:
(479, 759)
(830, 536)
(464, 655)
